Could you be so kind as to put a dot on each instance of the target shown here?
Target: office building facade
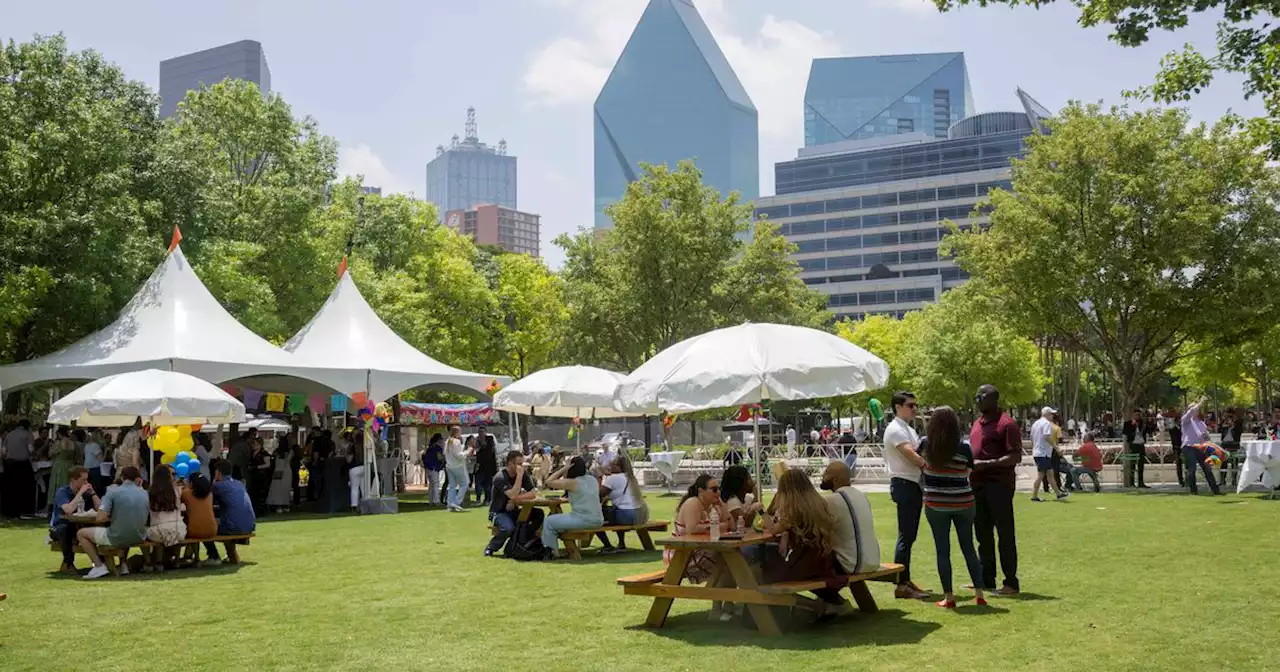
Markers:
(468, 173)
(877, 96)
(672, 96)
(239, 60)
(867, 216)
(489, 224)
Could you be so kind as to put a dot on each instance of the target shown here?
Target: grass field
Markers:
(1111, 581)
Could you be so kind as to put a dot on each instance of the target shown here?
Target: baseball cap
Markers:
(1048, 410)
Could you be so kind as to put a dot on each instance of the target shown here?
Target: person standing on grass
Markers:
(997, 451)
(584, 504)
(433, 464)
(455, 461)
(512, 486)
(1194, 435)
(1135, 443)
(1042, 452)
(900, 444)
(486, 465)
(948, 500)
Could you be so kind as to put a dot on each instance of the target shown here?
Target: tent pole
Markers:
(370, 455)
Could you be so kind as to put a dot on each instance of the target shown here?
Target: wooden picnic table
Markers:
(554, 504)
(87, 518)
(733, 581)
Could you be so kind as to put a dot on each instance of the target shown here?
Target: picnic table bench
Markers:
(112, 556)
(664, 585)
(571, 538)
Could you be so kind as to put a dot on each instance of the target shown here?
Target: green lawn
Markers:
(1112, 581)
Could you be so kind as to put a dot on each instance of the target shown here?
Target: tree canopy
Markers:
(1130, 235)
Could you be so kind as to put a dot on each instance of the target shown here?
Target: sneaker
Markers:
(124, 569)
(1036, 499)
(97, 572)
(488, 553)
(211, 562)
(1063, 495)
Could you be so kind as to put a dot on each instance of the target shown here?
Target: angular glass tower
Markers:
(876, 96)
(672, 96)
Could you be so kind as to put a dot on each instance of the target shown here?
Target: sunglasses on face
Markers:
(910, 404)
(714, 488)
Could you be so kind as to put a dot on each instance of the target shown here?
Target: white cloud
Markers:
(572, 68)
(918, 7)
(360, 159)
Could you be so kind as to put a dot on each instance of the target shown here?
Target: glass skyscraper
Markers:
(877, 96)
(468, 173)
(672, 96)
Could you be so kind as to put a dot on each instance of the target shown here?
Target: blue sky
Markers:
(391, 79)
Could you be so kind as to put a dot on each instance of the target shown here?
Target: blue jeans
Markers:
(484, 487)
(458, 481)
(941, 521)
(1193, 458)
(565, 522)
(616, 516)
(910, 499)
(1076, 472)
(506, 524)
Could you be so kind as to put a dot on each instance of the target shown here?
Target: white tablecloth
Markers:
(1262, 459)
(669, 460)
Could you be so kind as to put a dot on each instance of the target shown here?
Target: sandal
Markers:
(945, 604)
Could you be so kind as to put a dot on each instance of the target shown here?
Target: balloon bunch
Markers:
(492, 388)
(171, 440)
(185, 464)
(574, 427)
(376, 416)
(876, 410)
(668, 421)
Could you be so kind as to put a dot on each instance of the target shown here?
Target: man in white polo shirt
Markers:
(904, 464)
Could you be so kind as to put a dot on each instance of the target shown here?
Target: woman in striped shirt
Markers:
(948, 499)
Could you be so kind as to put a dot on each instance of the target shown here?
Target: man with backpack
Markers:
(512, 486)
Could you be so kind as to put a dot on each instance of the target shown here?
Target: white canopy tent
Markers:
(748, 364)
(173, 323)
(347, 330)
(158, 397)
(563, 392)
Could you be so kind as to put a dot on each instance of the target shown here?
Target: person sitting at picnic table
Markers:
(197, 499)
(693, 516)
(798, 515)
(584, 502)
(856, 547)
(512, 486)
(75, 496)
(1090, 463)
(234, 506)
(737, 491)
(167, 529)
(540, 463)
(629, 508)
(126, 508)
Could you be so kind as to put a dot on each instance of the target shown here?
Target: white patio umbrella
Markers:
(563, 392)
(748, 364)
(155, 396)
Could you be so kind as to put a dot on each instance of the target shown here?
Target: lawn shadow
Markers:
(1024, 597)
(167, 575)
(886, 627)
(592, 556)
(978, 609)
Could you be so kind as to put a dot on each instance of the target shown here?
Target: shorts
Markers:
(99, 536)
(1044, 463)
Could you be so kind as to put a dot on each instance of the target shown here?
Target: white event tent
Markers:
(348, 333)
(173, 323)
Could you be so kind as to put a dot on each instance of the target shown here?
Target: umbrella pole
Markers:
(755, 421)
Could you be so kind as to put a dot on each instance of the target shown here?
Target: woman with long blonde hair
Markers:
(799, 515)
(629, 508)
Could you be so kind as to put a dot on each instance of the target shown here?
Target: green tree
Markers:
(1248, 45)
(531, 301)
(675, 265)
(885, 337)
(82, 217)
(1130, 235)
(960, 343)
(248, 180)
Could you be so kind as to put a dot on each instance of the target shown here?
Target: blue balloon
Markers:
(182, 468)
(182, 458)
(193, 466)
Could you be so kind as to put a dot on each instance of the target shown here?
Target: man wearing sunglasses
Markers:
(903, 463)
(997, 451)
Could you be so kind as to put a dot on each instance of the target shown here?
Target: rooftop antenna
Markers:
(439, 150)
(502, 147)
(472, 136)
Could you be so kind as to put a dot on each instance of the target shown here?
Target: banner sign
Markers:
(414, 413)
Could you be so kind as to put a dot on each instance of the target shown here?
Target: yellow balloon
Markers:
(186, 443)
(184, 430)
(167, 458)
(166, 439)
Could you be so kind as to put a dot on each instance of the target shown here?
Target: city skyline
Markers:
(390, 92)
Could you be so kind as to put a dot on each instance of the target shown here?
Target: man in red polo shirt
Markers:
(997, 450)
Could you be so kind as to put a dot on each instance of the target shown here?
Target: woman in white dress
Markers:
(279, 495)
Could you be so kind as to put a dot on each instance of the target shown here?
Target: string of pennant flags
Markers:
(279, 402)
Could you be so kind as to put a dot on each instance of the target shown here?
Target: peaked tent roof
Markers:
(174, 323)
(347, 330)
